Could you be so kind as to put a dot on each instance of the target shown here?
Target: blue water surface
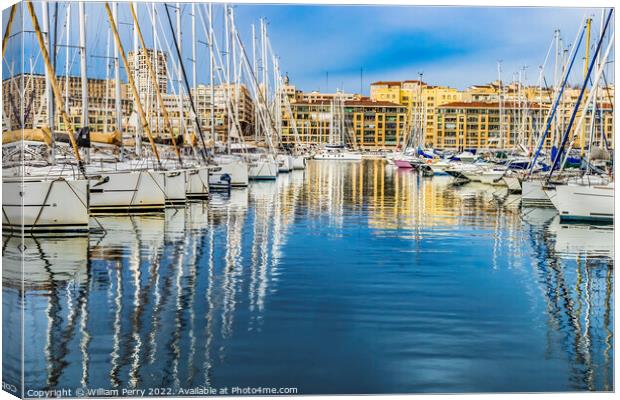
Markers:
(343, 278)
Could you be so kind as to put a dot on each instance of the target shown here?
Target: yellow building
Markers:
(368, 124)
(406, 93)
(476, 125)
(420, 99)
(432, 98)
(481, 93)
(376, 124)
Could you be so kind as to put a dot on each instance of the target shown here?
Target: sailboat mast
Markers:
(582, 137)
(48, 85)
(156, 67)
(235, 68)
(136, 58)
(67, 51)
(54, 83)
(7, 33)
(117, 87)
(178, 42)
(556, 82)
(193, 41)
(421, 116)
(132, 84)
(264, 59)
(228, 93)
(211, 77)
(255, 71)
(204, 153)
(501, 110)
(153, 79)
(264, 65)
(83, 74)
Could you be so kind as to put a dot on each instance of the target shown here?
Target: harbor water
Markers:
(348, 277)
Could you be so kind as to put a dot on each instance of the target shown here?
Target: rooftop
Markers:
(363, 102)
(398, 83)
(389, 83)
(485, 104)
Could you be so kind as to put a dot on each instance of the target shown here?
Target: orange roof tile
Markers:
(389, 83)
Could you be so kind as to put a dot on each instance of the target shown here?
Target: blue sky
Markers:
(455, 46)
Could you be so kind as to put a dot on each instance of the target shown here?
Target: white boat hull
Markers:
(57, 205)
(130, 191)
(533, 194)
(174, 183)
(439, 169)
(336, 155)
(237, 171)
(513, 183)
(492, 178)
(263, 170)
(472, 176)
(299, 162)
(197, 183)
(576, 202)
(285, 163)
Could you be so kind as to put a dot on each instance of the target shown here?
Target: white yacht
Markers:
(299, 162)
(197, 183)
(40, 204)
(285, 163)
(337, 153)
(467, 157)
(174, 187)
(233, 166)
(583, 202)
(261, 164)
(262, 168)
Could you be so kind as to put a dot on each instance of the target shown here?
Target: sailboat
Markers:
(33, 198)
(408, 158)
(336, 148)
(587, 197)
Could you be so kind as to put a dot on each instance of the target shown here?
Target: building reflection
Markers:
(157, 300)
(395, 199)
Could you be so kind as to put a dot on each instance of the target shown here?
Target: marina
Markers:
(404, 271)
(178, 214)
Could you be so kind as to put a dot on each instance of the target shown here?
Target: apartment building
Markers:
(101, 99)
(368, 124)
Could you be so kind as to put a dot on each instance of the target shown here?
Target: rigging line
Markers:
(155, 83)
(558, 97)
(588, 102)
(609, 97)
(56, 90)
(7, 33)
(55, 36)
(132, 84)
(219, 70)
(258, 91)
(156, 22)
(189, 93)
(578, 102)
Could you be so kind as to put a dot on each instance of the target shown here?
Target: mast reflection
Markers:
(174, 299)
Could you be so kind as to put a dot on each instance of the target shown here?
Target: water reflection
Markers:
(340, 274)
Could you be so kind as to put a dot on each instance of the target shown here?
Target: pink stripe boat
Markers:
(403, 164)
